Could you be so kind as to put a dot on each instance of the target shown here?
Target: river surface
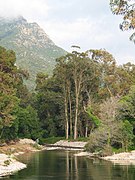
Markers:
(63, 165)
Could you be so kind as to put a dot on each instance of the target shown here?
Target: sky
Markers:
(89, 24)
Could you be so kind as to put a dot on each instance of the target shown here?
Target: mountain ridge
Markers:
(35, 51)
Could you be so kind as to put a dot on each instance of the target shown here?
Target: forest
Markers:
(88, 96)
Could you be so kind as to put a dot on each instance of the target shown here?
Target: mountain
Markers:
(35, 51)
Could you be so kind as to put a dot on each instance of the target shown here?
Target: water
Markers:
(63, 165)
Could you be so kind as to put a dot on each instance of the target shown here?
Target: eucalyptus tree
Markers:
(125, 78)
(106, 72)
(63, 75)
(125, 8)
(80, 65)
(127, 108)
(74, 71)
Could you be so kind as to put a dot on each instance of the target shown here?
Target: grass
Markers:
(36, 146)
(52, 140)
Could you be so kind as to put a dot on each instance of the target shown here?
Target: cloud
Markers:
(86, 31)
(26, 8)
(89, 24)
(92, 33)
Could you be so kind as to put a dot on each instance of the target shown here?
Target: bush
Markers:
(97, 140)
(36, 146)
(107, 151)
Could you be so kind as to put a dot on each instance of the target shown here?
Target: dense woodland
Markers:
(88, 95)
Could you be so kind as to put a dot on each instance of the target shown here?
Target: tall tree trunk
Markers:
(71, 126)
(76, 116)
(86, 131)
(70, 111)
(77, 81)
(66, 115)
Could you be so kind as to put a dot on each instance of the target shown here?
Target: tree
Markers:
(79, 65)
(62, 73)
(108, 130)
(17, 116)
(106, 72)
(49, 105)
(126, 8)
(127, 107)
(28, 123)
(8, 81)
(73, 71)
(125, 78)
(126, 135)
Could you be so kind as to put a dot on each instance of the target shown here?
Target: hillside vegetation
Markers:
(35, 51)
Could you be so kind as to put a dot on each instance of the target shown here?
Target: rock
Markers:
(83, 154)
(125, 158)
(65, 143)
(9, 165)
(26, 141)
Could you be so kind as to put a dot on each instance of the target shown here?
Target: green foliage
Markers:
(17, 117)
(81, 93)
(126, 9)
(92, 117)
(126, 135)
(8, 81)
(37, 146)
(106, 134)
(127, 106)
(52, 140)
(97, 140)
(28, 123)
(80, 82)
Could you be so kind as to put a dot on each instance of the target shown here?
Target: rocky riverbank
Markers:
(8, 153)
(65, 144)
(9, 165)
(125, 158)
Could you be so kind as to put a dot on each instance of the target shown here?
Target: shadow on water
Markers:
(63, 165)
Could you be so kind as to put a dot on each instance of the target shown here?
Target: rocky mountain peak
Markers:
(35, 51)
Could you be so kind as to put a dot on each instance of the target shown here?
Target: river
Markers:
(63, 165)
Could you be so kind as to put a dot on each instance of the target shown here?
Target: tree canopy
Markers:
(126, 8)
(87, 95)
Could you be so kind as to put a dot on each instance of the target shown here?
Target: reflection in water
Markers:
(63, 165)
